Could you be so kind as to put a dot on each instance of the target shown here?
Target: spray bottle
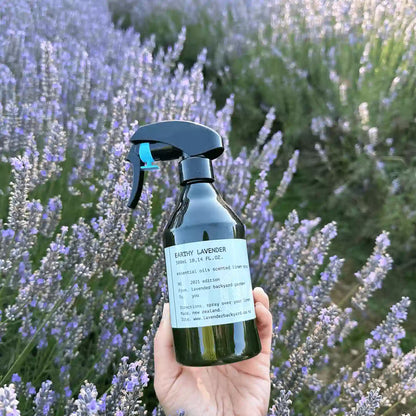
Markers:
(209, 284)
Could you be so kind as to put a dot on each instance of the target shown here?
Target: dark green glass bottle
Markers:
(203, 215)
(211, 301)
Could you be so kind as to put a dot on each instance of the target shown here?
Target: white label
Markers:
(209, 283)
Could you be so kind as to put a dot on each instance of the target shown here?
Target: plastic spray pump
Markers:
(210, 293)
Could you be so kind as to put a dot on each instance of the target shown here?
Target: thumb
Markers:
(166, 366)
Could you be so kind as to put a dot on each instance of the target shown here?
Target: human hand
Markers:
(238, 389)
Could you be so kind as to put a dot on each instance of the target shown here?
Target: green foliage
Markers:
(366, 203)
(298, 82)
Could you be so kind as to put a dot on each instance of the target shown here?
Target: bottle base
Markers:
(216, 345)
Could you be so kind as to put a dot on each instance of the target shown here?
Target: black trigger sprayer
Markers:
(209, 284)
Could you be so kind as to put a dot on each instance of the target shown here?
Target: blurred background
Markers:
(341, 78)
(329, 86)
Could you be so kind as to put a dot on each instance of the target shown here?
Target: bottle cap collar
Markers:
(194, 168)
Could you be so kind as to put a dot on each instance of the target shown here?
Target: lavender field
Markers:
(311, 89)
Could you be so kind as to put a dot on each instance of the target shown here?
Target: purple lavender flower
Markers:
(45, 399)
(373, 273)
(8, 401)
(367, 405)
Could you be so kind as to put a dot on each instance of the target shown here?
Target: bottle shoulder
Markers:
(203, 211)
(205, 217)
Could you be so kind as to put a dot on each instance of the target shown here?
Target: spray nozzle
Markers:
(168, 140)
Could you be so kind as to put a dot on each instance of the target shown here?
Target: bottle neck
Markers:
(195, 169)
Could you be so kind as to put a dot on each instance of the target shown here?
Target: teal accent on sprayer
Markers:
(146, 156)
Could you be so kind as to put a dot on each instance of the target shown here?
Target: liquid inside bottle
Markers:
(211, 302)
